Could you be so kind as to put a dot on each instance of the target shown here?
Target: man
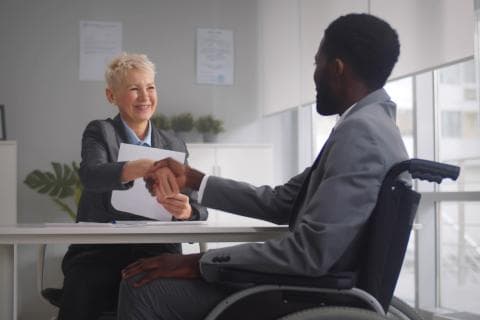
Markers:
(326, 206)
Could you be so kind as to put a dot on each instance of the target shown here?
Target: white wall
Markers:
(48, 107)
(432, 33)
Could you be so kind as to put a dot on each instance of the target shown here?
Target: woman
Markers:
(92, 272)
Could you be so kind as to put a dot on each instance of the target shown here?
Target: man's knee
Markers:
(132, 302)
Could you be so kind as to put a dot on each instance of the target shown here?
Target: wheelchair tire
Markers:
(334, 313)
(400, 310)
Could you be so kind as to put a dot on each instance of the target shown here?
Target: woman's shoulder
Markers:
(169, 139)
(101, 123)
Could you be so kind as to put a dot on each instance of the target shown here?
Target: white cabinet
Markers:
(252, 163)
(8, 182)
(8, 215)
(242, 162)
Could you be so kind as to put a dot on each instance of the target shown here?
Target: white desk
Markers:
(11, 235)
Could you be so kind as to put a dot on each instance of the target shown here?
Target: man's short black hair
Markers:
(367, 43)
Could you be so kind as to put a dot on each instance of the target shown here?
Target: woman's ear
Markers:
(110, 96)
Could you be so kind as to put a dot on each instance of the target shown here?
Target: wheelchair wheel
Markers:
(399, 310)
(334, 313)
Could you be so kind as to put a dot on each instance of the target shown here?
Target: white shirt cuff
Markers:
(201, 189)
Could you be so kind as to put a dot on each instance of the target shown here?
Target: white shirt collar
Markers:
(132, 137)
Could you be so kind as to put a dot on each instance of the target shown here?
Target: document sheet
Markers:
(137, 200)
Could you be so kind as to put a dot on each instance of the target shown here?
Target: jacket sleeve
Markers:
(339, 203)
(265, 202)
(99, 172)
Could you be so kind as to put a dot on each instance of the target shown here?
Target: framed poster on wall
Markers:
(215, 56)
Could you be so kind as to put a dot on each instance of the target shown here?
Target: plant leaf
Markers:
(34, 179)
(66, 191)
(60, 183)
(57, 168)
(64, 207)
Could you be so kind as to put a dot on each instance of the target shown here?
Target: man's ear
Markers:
(110, 95)
(339, 67)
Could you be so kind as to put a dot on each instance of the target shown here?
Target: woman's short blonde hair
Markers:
(120, 65)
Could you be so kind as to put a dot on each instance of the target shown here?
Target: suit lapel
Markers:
(158, 139)
(377, 96)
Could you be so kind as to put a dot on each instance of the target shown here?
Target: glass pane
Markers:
(401, 92)
(405, 288)
(460, 255)
(321, 127)
(458, 121)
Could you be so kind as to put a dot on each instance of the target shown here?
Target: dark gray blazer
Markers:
(327, 205)
(100, 172)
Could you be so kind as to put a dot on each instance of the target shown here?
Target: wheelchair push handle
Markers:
(432, 171)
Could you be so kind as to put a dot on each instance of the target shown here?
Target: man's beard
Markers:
(325, 103)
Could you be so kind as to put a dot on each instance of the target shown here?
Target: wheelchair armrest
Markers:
(339, 280)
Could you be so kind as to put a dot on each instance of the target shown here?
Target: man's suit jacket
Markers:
(329, 216)
(100, 172)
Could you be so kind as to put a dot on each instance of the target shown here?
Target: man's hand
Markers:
(178, 205)
(164, 266)
(162, 175)
(161, 183)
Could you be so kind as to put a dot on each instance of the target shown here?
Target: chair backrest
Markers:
(390, 225)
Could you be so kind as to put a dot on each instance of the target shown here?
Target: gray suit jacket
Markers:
(328, 204)
(100, 172)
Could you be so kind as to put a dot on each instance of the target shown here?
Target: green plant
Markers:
(60, 184)
(208, 124)
(161, 121)
(182, 122)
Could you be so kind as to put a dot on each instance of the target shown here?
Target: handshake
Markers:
(167, 177)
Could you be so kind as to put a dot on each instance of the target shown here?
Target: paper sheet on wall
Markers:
(215, 56)
(137, 200)
(99, 43)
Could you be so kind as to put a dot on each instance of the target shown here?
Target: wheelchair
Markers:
(364, 293)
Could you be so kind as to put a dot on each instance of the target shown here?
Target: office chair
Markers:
(365, 293)
(54, 295)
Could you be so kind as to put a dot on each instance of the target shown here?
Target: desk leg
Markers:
(203, 246)
(15, 282)
(8, 279)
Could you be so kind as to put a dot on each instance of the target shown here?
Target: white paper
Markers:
(99, 43)
(137, 200)
(215, 56)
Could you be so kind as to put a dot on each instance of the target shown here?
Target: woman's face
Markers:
(135, 97)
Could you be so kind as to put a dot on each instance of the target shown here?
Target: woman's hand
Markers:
(136, 169)
(178, 205)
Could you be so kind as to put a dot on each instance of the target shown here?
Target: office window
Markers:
(459, 222)
(321, 127)
(459, 139)
(401, 92)
(451, 124)
(459, 255)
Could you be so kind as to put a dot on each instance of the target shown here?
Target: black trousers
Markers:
(92, 274)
